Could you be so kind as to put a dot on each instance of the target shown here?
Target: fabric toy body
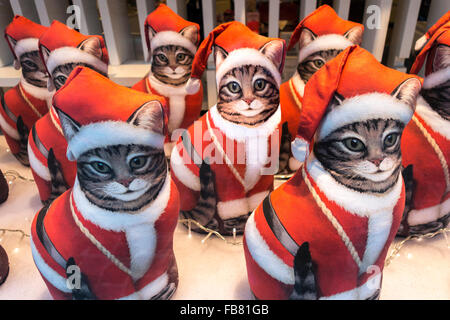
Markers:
(172, 43)
(114, 228)
(324, 233)
(63, 49)
(24, 104)
(224, 163)
(321, 36)
(426, 145)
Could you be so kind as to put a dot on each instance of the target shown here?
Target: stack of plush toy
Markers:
(369, 156)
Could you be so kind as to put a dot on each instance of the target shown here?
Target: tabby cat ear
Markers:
(274, 50)
(92, 46)
(149, 116)
(69, 126)
(355, 35)
(219, 56)
(45, 53)
(190, 32)
(407, 91)
(13, 43)
(441, 58)
(306, 37)
(151, 34)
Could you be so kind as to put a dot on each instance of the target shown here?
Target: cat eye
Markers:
(318, 63)
(390, 140)
(181, 57)
(100, 167)
(61, 79)
(162, 58)
(234, 87)
(354, 144)
(29, 64)
(138, 162)
(260, 84)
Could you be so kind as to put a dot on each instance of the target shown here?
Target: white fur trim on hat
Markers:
(26, 45)
(436, 78)
(164, 38)
(365, 107)
(65, 55)
(102, 134)
(246, 56)
(325, 42)
(300, 149)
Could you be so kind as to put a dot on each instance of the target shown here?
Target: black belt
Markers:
(38, 143)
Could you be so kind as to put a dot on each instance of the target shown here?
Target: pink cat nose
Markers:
(376, 161)
(125, 182)
(173, 68)
(248, 101)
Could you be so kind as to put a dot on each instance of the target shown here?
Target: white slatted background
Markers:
(110, 18)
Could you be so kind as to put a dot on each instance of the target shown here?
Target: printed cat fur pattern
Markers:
(426, 143)
(62, 49)
(24, 104)
(223, 164)
(324, 234)
(118, 219)
(321, 36)
(172, 43)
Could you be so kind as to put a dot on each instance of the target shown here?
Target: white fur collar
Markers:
(436, 78)
(120, 221)
(298, 83)
(358, 203)
(432, 118)
(165, 89)
(241, 133)
(36, 92)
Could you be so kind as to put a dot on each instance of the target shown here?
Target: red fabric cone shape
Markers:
(77, 228)
(47, 136)
(184, 106)
(348, 232)
(426, 142)
(25, 100)
(330, 31)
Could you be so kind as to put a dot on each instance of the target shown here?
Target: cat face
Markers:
(60, 74)
(366, 156)
(122, 177)
(317, 60)
(33, 68)
(171, 64)
(249, 94)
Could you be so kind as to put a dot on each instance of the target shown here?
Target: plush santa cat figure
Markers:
(321, 36)
(110, 236)
(426, 143)
(172, 43)
(62, 49)
(224, 163)
(324, 234)
(24, 104)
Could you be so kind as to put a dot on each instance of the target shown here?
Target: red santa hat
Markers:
(61, 45)
(323, 29)
(22, 35)
(361, 89)
(165, 27)
(241, 46)
(96, 112)
(439, 34)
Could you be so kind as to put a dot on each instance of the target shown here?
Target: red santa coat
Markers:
(426, 146)
(136, 240)
(344, 271)
(49, 134)
(236, 193)
(29, 104)
(291, 97)
(184, 108)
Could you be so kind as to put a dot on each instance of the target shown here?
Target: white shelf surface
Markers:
(212, 270)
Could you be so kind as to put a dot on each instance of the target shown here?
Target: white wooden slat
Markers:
(239, 11)
(209, 22)
(274, 18)
(376, 22)
(6, 15)
(342, 8)
(116, 30)
(49, 10)
(89, 19)
(306, 7)
(25, 8)
(437, 9)
(144, 7)
(402, 37)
